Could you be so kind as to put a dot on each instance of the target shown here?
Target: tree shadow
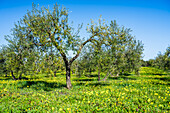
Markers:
(99, 84)
(6, 78)
(46, 86)
(160, 83)
(84, 79)
(92, 75)
(10, 78)
(160, 74)
(122, 77)
(152, 74)
(22, 78)
(25, 78)
(92, 84)
(126, 74)
(39, 85)
(163, 78)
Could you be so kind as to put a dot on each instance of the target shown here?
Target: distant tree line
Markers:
(41, 41)
(161, 61)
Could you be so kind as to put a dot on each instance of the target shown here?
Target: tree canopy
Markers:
(43, 36)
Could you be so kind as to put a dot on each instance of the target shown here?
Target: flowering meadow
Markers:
(132, 93)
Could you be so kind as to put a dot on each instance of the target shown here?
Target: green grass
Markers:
(144, 93)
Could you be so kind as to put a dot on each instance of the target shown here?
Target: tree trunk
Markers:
(106, 76)
(37, 71)
(108, 72)
(111, 74)
(117, 74)
(6, 75)
(68, 77)
(137, 72)
(98, 74)
(90, 71)
(55, 73)
(76, 72)
(13, 75)
(20, 76)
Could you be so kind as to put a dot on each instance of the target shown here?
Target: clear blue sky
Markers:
(149, 19)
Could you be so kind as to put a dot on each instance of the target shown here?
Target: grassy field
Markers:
(149, 92)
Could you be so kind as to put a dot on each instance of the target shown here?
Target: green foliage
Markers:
(39, 46)
(162, 61)
(43, 36)
(3, 65)
(152, 71)
(117, 51)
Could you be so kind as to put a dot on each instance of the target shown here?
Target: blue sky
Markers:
(149, 19)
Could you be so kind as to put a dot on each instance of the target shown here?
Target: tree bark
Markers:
(68, 77)
(55, 73)
(137, 72)
(117, 74)
(108, 72)
(111, 74)
(68, 63)
(6, 75)
(14, 78)
(106, 76)
(90, 71)
(20, 76)
(99, 74)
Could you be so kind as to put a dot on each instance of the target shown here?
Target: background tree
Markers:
(3, 65)
(117, 51)
(16, 53)
(123, 50)
(162, 61)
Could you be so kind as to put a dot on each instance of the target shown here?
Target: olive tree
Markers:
(52, 27)
(42, 27)
(162, 61)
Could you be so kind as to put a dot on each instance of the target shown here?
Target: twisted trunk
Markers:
(14, 78)
(68, 69)
(6, 75)
(106, 76)
(99, 74)
(63, 54)
(68, 77)
(20, 76)
(55, 73)
(108, 72)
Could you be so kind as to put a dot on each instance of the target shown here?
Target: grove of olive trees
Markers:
(42, 39)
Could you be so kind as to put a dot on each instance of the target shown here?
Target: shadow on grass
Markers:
(96, 75)
(124, 78)
(51, 75)
(6, 78)
(84, 79)
(10, 78)
(92, 75)
(93, 84)
(46, 86)
(39, 85)
(126, 74)
(152, 74)
(160, 83)
(163, 78)
(99, 84)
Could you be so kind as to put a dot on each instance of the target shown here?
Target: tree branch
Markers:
(58, 47)
(80, 48)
